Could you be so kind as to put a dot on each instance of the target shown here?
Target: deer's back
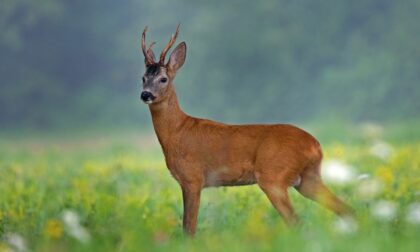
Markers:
(229, 153)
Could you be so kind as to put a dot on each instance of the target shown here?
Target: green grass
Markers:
(127, 201)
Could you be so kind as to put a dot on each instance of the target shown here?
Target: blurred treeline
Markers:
(77, 63)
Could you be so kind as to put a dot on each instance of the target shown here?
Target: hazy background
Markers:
(77, 64)
(77, 151)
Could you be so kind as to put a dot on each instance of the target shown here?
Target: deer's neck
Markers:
(167, 117)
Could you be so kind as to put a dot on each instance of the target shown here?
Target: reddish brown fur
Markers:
(201, 153)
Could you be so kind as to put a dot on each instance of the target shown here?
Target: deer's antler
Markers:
(147, 52)
(168, 46)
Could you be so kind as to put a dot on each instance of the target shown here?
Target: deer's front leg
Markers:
(191, 197)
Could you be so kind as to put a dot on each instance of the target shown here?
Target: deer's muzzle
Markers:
(147, 97)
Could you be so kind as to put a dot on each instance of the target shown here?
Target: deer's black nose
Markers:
(147, 96)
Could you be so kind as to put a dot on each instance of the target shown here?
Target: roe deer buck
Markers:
(201, 153)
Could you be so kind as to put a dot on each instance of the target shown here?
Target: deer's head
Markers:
(158, 77)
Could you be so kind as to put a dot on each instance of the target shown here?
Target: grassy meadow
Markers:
(113, 193)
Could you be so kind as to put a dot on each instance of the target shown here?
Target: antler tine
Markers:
(148, 60)
(150, 46)
(168, 46)
(143, 42)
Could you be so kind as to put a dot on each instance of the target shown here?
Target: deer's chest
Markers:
(182, 166)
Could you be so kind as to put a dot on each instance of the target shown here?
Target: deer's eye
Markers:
(143, 79)
(163, 80)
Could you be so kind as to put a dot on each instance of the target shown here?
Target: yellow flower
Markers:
(385, 174)
(4, 248)
(256, 226)
(338, 151)
(53, 229)
(13, 214)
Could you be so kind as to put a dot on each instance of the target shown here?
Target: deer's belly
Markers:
(225, 176)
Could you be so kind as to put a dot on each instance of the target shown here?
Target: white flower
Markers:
(337, 172)
(371, 130)
(345, 225)
(413, 213)
(381, 149)
(384, 210)
(363, 176)
(369, 188)
(16, 241)
(73, 227)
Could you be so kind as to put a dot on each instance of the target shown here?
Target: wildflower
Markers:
(413, 213)
(371, 130)
(73, 227)
(4, 248)
(384, 210)
(385, 174)
(53, 229)
(345, 225)
(255, 226)
(363, 176)
(381, 149)
(337, 172)
(16, 242)
(369, 188)
(338, 151)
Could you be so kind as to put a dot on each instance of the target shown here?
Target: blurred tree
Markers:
(77, 63)
(16, 16)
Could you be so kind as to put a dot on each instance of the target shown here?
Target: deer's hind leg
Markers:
(312, 187)
(276, 191)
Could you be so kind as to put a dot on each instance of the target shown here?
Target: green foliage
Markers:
(126, 200)
(17, 16)
(78, 64)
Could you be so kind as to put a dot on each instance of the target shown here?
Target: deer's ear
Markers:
(177, 58)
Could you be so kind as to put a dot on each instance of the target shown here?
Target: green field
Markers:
(115, 194)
